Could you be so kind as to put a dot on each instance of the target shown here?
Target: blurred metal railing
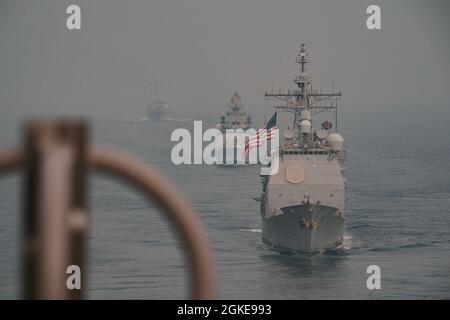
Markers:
(56, 158)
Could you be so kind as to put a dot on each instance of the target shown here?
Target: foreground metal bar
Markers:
(55, 220)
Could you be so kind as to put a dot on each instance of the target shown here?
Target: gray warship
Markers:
(235, 119)
(303, 205)
(157, 108)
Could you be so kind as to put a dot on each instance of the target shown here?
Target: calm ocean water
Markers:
(398, 218)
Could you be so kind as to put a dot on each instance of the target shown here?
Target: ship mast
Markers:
(156, 93)
(302, 80)
(305, 100)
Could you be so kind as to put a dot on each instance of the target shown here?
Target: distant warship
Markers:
(303, 205)
(235, 119)
(157, 108)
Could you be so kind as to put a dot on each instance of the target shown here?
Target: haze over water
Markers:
(394, 117)
(398, 217)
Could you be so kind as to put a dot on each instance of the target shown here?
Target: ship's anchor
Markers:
(56, 158)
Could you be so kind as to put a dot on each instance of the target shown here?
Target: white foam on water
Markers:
(134, 120)
(140, 119)
(177, 120)
(347, 242)
(251, 230)
(162, 119)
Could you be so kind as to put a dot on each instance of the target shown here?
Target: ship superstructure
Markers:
(234, 119)
(303, 205)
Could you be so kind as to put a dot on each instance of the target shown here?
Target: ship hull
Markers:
(304, 228)
(232, 157)
(155, 115)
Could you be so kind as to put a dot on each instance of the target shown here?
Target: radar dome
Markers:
(305, 126)
(322, 134)
(335, 141)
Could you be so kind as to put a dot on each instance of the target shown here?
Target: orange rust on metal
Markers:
(148, 180)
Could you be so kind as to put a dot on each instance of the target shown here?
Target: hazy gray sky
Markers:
(204, 50)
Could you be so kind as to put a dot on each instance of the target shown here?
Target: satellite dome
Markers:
(336, 141)
(305, 126)
(322, 134)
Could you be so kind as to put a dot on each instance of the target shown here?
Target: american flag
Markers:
(262, 135)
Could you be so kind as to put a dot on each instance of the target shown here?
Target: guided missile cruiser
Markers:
(303, 205)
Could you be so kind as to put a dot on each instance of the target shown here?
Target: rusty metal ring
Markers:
(147, 179)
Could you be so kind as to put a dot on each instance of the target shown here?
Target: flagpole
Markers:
(265, 116)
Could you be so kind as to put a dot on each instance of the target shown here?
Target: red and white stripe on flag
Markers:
(258, 139)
